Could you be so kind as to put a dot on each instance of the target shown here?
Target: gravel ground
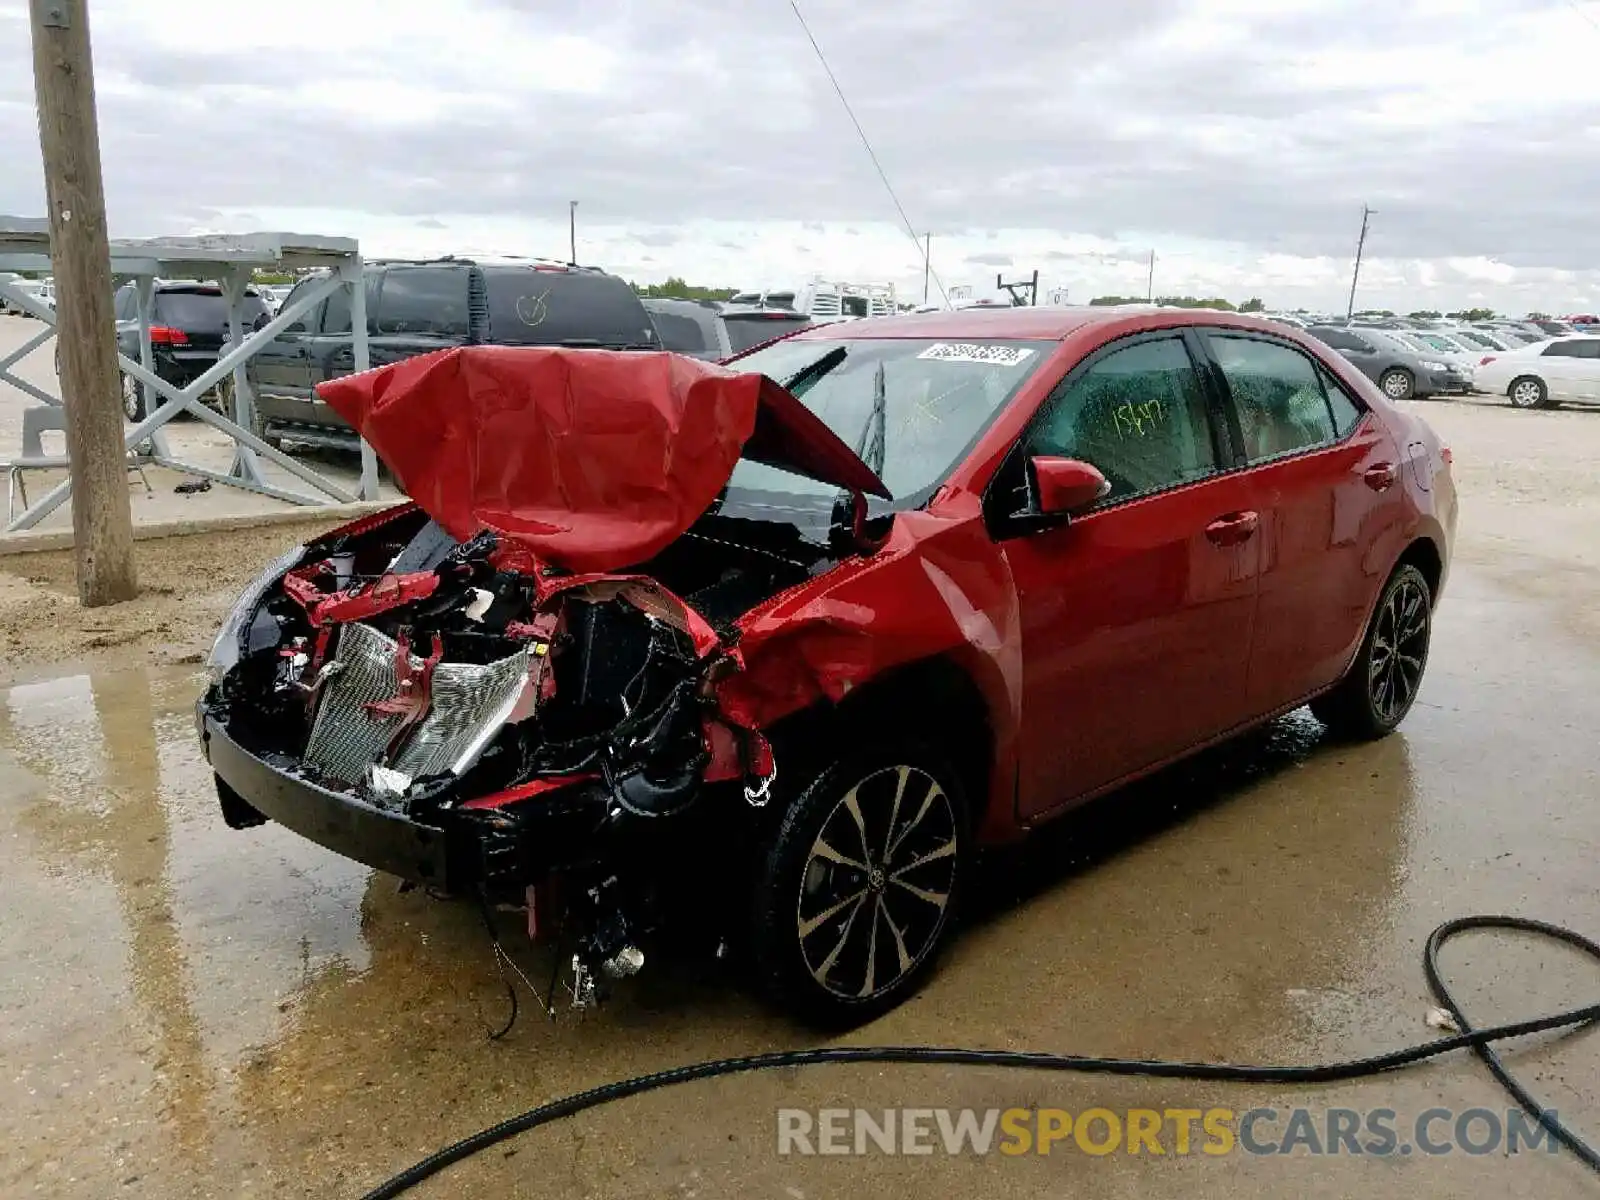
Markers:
(188, 584)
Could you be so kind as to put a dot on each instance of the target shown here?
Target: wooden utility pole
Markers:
(1361, 243)
(927, 265)
(102, 521)
(572, 231)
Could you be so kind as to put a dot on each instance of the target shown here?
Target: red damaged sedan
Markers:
(770, 650)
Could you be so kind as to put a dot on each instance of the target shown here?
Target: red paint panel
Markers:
(591, 459)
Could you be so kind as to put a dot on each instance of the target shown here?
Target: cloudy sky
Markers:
(1237, 138)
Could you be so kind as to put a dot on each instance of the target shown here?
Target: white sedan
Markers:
(1563, 370)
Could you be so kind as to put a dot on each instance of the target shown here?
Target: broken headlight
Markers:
(226, 650)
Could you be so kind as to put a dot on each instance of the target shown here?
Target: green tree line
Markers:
(1254, 304)
(676, 289)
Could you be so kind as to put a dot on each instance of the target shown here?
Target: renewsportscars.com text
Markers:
(1377, 1132)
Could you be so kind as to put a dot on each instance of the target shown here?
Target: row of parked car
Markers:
(1534, 363)
(414, 307)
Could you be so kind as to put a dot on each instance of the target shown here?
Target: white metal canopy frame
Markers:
(231, 260)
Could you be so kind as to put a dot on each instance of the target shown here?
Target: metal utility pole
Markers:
(572, 230)
(69, 139)
(1150, 281)
(927, 265)
(1361, 243)
(1031, 286)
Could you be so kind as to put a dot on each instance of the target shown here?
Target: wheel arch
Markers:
(934, 699)
(1424, 554)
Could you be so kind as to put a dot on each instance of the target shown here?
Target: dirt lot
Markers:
(188, 584)
(186, 1011)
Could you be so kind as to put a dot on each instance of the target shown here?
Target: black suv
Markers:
(188, 326)
(418, 307)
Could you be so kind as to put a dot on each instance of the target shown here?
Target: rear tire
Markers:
(1528, 391)
(1397, 384)
(132, 400)
(1382, 684)
(856, 896)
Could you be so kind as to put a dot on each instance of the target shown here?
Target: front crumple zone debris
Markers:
(503, 681)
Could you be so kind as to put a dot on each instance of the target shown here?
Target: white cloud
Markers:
(1239, 138)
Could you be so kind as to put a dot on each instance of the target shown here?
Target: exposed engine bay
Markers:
(530, 684)
(548, 724)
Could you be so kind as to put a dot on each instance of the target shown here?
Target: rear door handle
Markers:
(1380, 477)
(1233, 528)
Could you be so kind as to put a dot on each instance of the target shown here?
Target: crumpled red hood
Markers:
(592, 459)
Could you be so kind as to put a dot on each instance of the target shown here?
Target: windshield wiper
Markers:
(814, 370)
(870, 447)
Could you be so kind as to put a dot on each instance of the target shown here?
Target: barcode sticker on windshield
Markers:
(993, 356)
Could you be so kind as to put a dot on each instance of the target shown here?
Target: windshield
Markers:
(908, 407)
(204, 311)
(751, 329)
(1439, 342)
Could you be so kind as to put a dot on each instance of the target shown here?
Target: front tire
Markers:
(1526, 391)
(1397, 384)
(857, 893)
(1382, 684)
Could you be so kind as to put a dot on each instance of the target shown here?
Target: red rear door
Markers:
(1327, 482)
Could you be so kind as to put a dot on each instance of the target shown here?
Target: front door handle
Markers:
(1233, 528)
(1380, 477)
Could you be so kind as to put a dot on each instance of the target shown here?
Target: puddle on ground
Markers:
(207, 1011)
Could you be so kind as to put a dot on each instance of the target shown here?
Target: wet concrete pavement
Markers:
(190, 1011)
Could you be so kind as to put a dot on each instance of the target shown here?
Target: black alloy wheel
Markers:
(860, 885)
(1382, 684)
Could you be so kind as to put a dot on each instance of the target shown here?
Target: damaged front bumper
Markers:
(251, 790)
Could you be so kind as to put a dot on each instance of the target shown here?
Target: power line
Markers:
(911, 230)
(1573, 4)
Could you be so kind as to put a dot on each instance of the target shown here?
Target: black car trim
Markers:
(387, 841)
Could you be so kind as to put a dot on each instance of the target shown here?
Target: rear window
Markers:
(751, 329)
(204, 310)
(679, 333)
(565, 308)
(430, 300)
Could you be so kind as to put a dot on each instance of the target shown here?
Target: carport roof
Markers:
(25, 246)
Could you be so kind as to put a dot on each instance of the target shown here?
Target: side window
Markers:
(1560, 350)
(1138, 414)
(127, 305)
(306, 322)
(1277, 394)
(336, 312)
(336, 309)
(1586, 347)
(431, 300)
(1338, 339)
(679, 333)
(1346, 412)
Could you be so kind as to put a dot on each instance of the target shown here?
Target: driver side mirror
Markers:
(1062, 487)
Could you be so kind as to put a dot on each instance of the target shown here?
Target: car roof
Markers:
(1031, 324)
(679, 304)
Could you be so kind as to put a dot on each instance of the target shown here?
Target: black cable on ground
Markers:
(1480, 1040)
